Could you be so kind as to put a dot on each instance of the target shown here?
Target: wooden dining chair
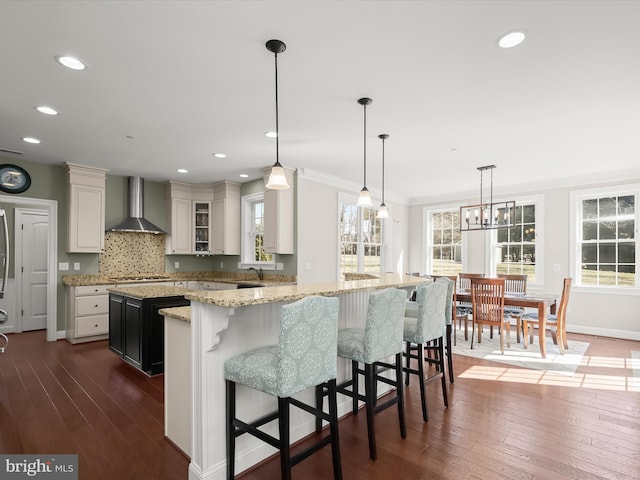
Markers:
(463, 309)
(557, 322)
(514, 284)
(487, 298)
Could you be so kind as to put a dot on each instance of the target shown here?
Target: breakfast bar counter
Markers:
(225, 323)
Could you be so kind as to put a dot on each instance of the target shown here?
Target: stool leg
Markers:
(231, 438)
(283, 423)
(333, 426)
(354, 376)
(423, 393)
(320, 405)
(443, 380)
(400, 393)
(369, 379)
(408, 356)
(449, 354)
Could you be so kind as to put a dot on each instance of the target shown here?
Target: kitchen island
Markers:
(225, 323)
(136, 328)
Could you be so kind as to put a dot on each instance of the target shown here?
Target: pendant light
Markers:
(364, 199)
(277, 178)
(383, 211)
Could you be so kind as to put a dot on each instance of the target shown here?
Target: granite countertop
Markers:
(221, 277)
(256, 296)
(179, 313)
(155, 291)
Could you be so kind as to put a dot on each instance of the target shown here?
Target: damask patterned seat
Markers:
(428, 327)
(372, 345)
(305, 357)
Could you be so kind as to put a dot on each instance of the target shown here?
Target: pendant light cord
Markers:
(277, 125)
(365, 145)
(383, 139)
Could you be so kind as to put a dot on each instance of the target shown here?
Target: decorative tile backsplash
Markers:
(127, 253)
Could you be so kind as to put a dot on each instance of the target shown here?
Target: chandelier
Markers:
(487, 215)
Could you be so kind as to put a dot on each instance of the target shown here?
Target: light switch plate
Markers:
(63, 266)
(176, 264)
(76, 265)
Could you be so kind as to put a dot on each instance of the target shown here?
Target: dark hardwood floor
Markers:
(62, 398)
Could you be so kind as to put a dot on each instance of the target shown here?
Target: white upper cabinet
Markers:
(86, 208)
(226, 218)
(189, 219)
(279, 216)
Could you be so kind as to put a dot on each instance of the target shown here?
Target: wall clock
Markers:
(14, 179)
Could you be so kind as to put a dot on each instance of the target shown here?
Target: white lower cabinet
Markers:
(88, 313)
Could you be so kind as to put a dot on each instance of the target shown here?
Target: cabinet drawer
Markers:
(92, 325)
(92, 305)
(93, 290)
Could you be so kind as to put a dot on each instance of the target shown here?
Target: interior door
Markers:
(35, 248)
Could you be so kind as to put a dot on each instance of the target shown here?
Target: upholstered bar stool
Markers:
(305, 357)
(371, 346)
(427, 328)
(448, 319)
(411, 310)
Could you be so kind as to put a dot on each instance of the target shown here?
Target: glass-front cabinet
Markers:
(202, 227)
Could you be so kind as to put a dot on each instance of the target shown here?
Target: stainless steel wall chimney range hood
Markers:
(136, 222)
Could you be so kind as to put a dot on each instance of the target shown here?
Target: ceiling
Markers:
(169, 83)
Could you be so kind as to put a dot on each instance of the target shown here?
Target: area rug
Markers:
(530, 358)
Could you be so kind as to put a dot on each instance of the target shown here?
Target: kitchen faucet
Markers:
(259, 272)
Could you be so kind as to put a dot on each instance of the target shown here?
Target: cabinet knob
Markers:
(96, 306)
(96, 325)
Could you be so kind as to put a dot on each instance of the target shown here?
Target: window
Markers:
(444, 246)
(360, 239)
(606, 240)
(516, 247)
(253, 232)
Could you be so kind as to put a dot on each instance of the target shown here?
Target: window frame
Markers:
(428, 237)
(575, 235)
(247, 223)
(492, 254)
(384, 239)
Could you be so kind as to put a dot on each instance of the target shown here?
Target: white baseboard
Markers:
(61, 334)
(604, 332)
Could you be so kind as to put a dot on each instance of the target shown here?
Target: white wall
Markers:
(317, 214)
(317, 232)
(614, 313)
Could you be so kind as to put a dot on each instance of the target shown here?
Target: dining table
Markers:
(540, 301)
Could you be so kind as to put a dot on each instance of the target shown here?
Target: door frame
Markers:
(21, 211)
(52, 281)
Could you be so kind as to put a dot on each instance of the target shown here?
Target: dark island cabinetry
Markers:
(136, 329)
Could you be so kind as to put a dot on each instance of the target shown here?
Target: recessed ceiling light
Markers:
(30, 140)
(244, 175)
(47, 110)
(71, 62)
(271, 134)
(511, 39)
(220, 155)
(182, 170)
